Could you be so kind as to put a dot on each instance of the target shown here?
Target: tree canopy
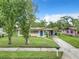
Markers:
(13, 11)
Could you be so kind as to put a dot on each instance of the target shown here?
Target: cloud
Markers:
(55, 17)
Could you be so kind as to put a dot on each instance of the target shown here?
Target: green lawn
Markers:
(33, 42)
(70, 39)
(30, 55)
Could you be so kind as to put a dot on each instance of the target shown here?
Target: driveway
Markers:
(70, 52)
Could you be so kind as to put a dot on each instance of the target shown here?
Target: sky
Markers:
(52, 10)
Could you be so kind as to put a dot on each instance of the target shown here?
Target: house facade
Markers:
(71, 31)
(39, 32)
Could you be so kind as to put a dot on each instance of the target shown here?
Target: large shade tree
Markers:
(1, 23)
(25, 16)
(7, 11)
(63, 23)
(40, 23)
(53, 25)
(75, 23)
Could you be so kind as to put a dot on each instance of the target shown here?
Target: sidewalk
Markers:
(70, 52)
(28, 49)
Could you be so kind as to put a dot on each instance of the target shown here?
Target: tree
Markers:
(65, 20)
(75, 23)
(41, 23)
(7, 9)
(51, 25)
(1, 23)
(63, 23)
(25, 16)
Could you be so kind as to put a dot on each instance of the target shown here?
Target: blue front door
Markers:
(41, 33)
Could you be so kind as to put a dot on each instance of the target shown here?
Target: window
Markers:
(71, 31)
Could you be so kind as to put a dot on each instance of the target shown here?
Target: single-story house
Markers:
(71, 31)
(40, 32)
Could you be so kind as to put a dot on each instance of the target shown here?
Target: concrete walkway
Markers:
(28, 49)
(70, 52)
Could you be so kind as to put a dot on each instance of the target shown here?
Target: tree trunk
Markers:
(26, 40)
(9, 41)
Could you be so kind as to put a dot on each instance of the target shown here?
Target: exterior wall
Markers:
(2, 32)
(1, 29)
(44, 35)
(36, 33)
(70, 32)
(19, 33)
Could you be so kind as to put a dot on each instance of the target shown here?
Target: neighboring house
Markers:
(40, 32)
(2, 33)
(71, 31)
